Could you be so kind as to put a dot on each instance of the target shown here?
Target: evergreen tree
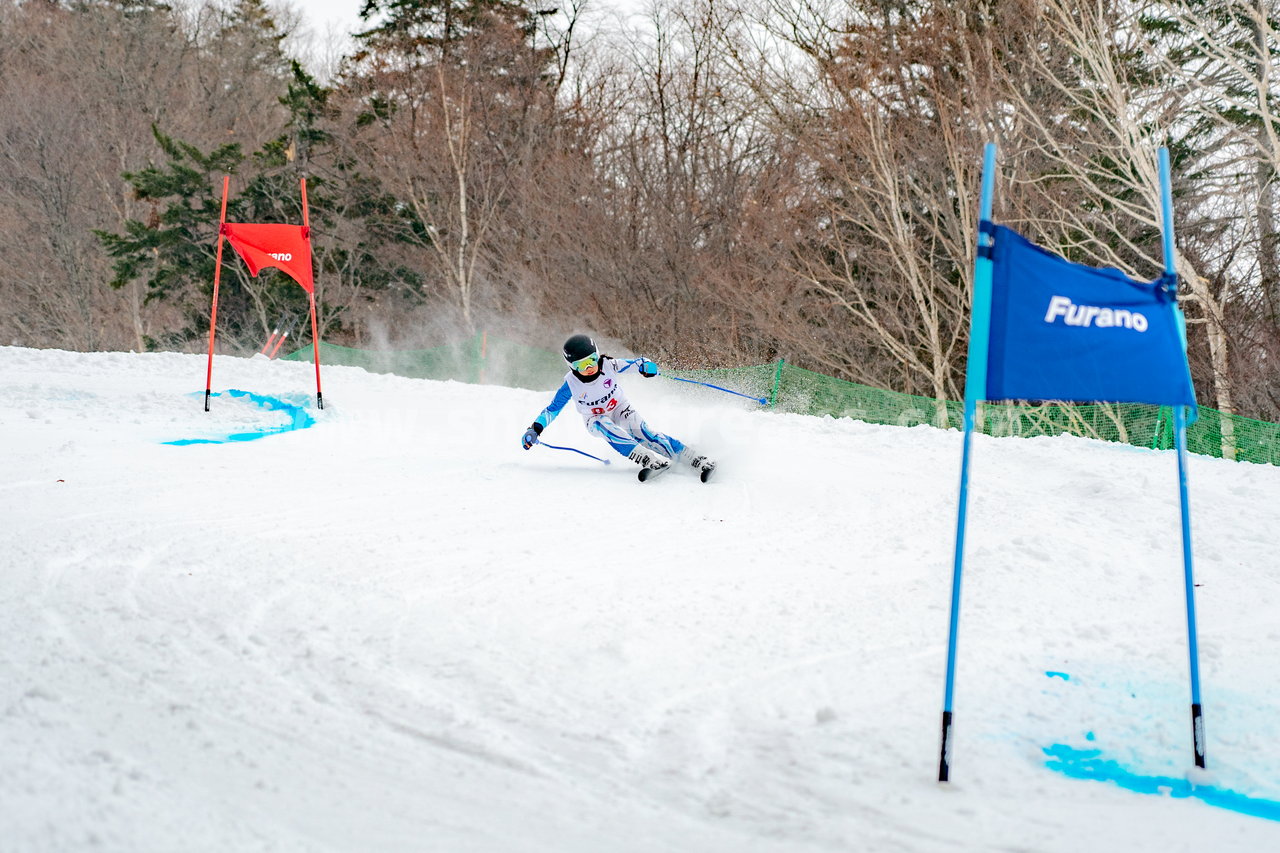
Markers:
(173, 251)
(422, 31)
(353, 221)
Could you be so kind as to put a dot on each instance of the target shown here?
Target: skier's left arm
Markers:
(646, 368)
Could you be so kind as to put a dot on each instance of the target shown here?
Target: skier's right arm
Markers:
(546, 416)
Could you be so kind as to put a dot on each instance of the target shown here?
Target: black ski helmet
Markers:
(578, 346)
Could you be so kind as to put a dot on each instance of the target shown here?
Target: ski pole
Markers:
(761, 400)
(764, 401)
(575, 450)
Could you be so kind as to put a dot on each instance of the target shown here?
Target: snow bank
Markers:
(396, 630)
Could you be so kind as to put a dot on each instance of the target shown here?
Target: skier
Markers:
(592, 383)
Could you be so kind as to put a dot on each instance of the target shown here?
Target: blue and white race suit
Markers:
(606, 412)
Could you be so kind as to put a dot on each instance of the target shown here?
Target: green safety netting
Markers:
(490, 360)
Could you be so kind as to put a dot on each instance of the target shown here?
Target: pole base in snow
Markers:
(1197, 734)
(319, 400)
(207, 394)
(944, 762)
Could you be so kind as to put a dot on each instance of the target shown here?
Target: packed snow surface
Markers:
(385, 626)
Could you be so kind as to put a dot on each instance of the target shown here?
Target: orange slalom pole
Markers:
(306, 223)
(271, 338)
(217, 278)
(278, 344)
(315, 336)
(315, 352)
(288, 330)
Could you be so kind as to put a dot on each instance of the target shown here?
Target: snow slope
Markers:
(396, 630)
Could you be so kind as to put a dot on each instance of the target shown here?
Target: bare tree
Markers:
(1100, 139)
(1227, 64)
(678, 161)
(82, 86)
(890, 103)
(451, 109)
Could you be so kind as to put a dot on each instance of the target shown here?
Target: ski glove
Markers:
(648, 369)
(531, 436)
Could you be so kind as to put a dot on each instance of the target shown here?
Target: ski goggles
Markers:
(582, 364)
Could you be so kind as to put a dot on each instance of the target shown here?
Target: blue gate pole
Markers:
(975, 389)
(1180, 443)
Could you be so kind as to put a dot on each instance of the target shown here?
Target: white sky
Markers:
(338, 13)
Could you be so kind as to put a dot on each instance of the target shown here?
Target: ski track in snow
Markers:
(396, 630)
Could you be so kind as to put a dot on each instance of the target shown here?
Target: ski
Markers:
(704, 466)
(704, 473)
(647, 474)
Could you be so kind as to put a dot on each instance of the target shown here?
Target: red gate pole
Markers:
(217, 277)
(315, 337)
(315, 353)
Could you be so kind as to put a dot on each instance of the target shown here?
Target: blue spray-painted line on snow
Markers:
(1089, 764)
(298, 419)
